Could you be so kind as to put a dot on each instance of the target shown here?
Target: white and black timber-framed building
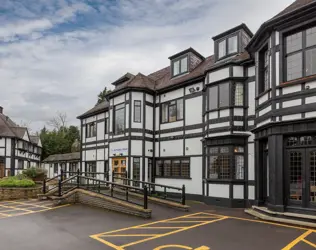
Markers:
(237, 128)
(18, 149)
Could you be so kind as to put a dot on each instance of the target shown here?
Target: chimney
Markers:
(1, 110)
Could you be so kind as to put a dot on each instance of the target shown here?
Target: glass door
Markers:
(296, 176)
(311, 177)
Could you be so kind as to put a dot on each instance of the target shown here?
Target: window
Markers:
(228, 46)
(91, 129)
(180, 66)
(150, 169)
(136, 170)
(137, 111)
(20, 164)
(55, 168)
(264, 62)
(219, 96)
(91, 169)
(239, 94)
(221, 164)
(106, 126)
(106, 166)
(172, 111)
(222, 49)
(232, 45)
(300, 56)
(173, 168)
(119, 119)
(73, 168)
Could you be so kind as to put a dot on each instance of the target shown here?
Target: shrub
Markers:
(16, 181)
(34, 172)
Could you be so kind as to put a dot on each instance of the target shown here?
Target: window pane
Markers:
(224, 150)
(310, 62)
(136, 170)
(232, 45)
(213, 97)
(239, 94)
(184, 65)
(224, 95)
(172, 113)
(224, 166)
(294, 42)
(311, 37)
(164, 115)
(239, 170)
(180, 109)
(185, 168)
(119, 121)
(294, 66)
(238, 149)
(106, 122)
(176, 68)
(213, 167)
(213, 150)
(222, 49)
(159, 167)
(167, 168)
(137, 111)
(176, 166)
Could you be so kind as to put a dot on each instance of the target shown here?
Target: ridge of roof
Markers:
(5, 128)
(63, 157)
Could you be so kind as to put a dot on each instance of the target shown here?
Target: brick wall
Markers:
(19, 193)
(101, 201)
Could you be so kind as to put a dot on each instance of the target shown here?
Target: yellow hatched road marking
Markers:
(150, 226)
(14, 208)
(297, 240)
(27, 204)
(309, 243)
(129, 235)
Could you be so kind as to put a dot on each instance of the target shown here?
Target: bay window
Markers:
(172, 111)
(226, 162)
(219, 96)
(300, 54)
(119, 119)
(239, 94)
(91, 130)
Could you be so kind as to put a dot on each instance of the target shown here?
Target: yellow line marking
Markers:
(158, 227)
(309, 243)
(129, 235)
(14, 208)
(297, 240)
(26, 204)
(187, 221)
(270, 223)
(6, 215)
(106, 243)
(173, 246)
(173, 232)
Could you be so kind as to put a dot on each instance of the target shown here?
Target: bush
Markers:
(34, 172)
(16, 181)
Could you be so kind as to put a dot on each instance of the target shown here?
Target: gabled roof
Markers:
(63, 157)
(232, 30)
(187, 51)
(19, 131)
(103, 106)
(293, 7)
(34, 139)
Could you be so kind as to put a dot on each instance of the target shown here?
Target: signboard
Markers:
(119, 151)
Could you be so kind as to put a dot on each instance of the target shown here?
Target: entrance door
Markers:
(302, 177)
(119, 168)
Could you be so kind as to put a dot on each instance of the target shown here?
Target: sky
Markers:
(57, 55)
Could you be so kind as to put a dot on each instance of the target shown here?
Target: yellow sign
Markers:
(182, 247)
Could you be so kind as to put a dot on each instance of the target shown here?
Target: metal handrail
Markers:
(153, 186)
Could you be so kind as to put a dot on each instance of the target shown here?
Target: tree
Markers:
(58, 141)
(102, 94)
(59, 121)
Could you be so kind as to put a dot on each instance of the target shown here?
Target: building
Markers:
(68, 162)
(18, 149)
(237, 127)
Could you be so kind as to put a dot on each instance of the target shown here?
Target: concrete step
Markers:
(271, 216)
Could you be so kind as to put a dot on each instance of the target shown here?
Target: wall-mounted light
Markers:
(307, 87)
(187, 148)
(192, 90)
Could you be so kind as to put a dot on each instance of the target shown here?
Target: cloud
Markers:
(57, 55)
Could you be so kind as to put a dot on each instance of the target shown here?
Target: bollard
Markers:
(145, 197)
(59, 188)
(183, 194)
(44, 186)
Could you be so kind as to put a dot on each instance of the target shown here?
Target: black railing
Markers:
(67, 174)
(46, 181)
(156, 190)
(97, 186)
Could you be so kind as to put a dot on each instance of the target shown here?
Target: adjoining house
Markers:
(18, 149)
(237, 127)
(68, 162)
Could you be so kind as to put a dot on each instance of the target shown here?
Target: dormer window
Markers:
(180, 66)
(228, 46)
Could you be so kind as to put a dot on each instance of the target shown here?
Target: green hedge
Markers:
(17, 181)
